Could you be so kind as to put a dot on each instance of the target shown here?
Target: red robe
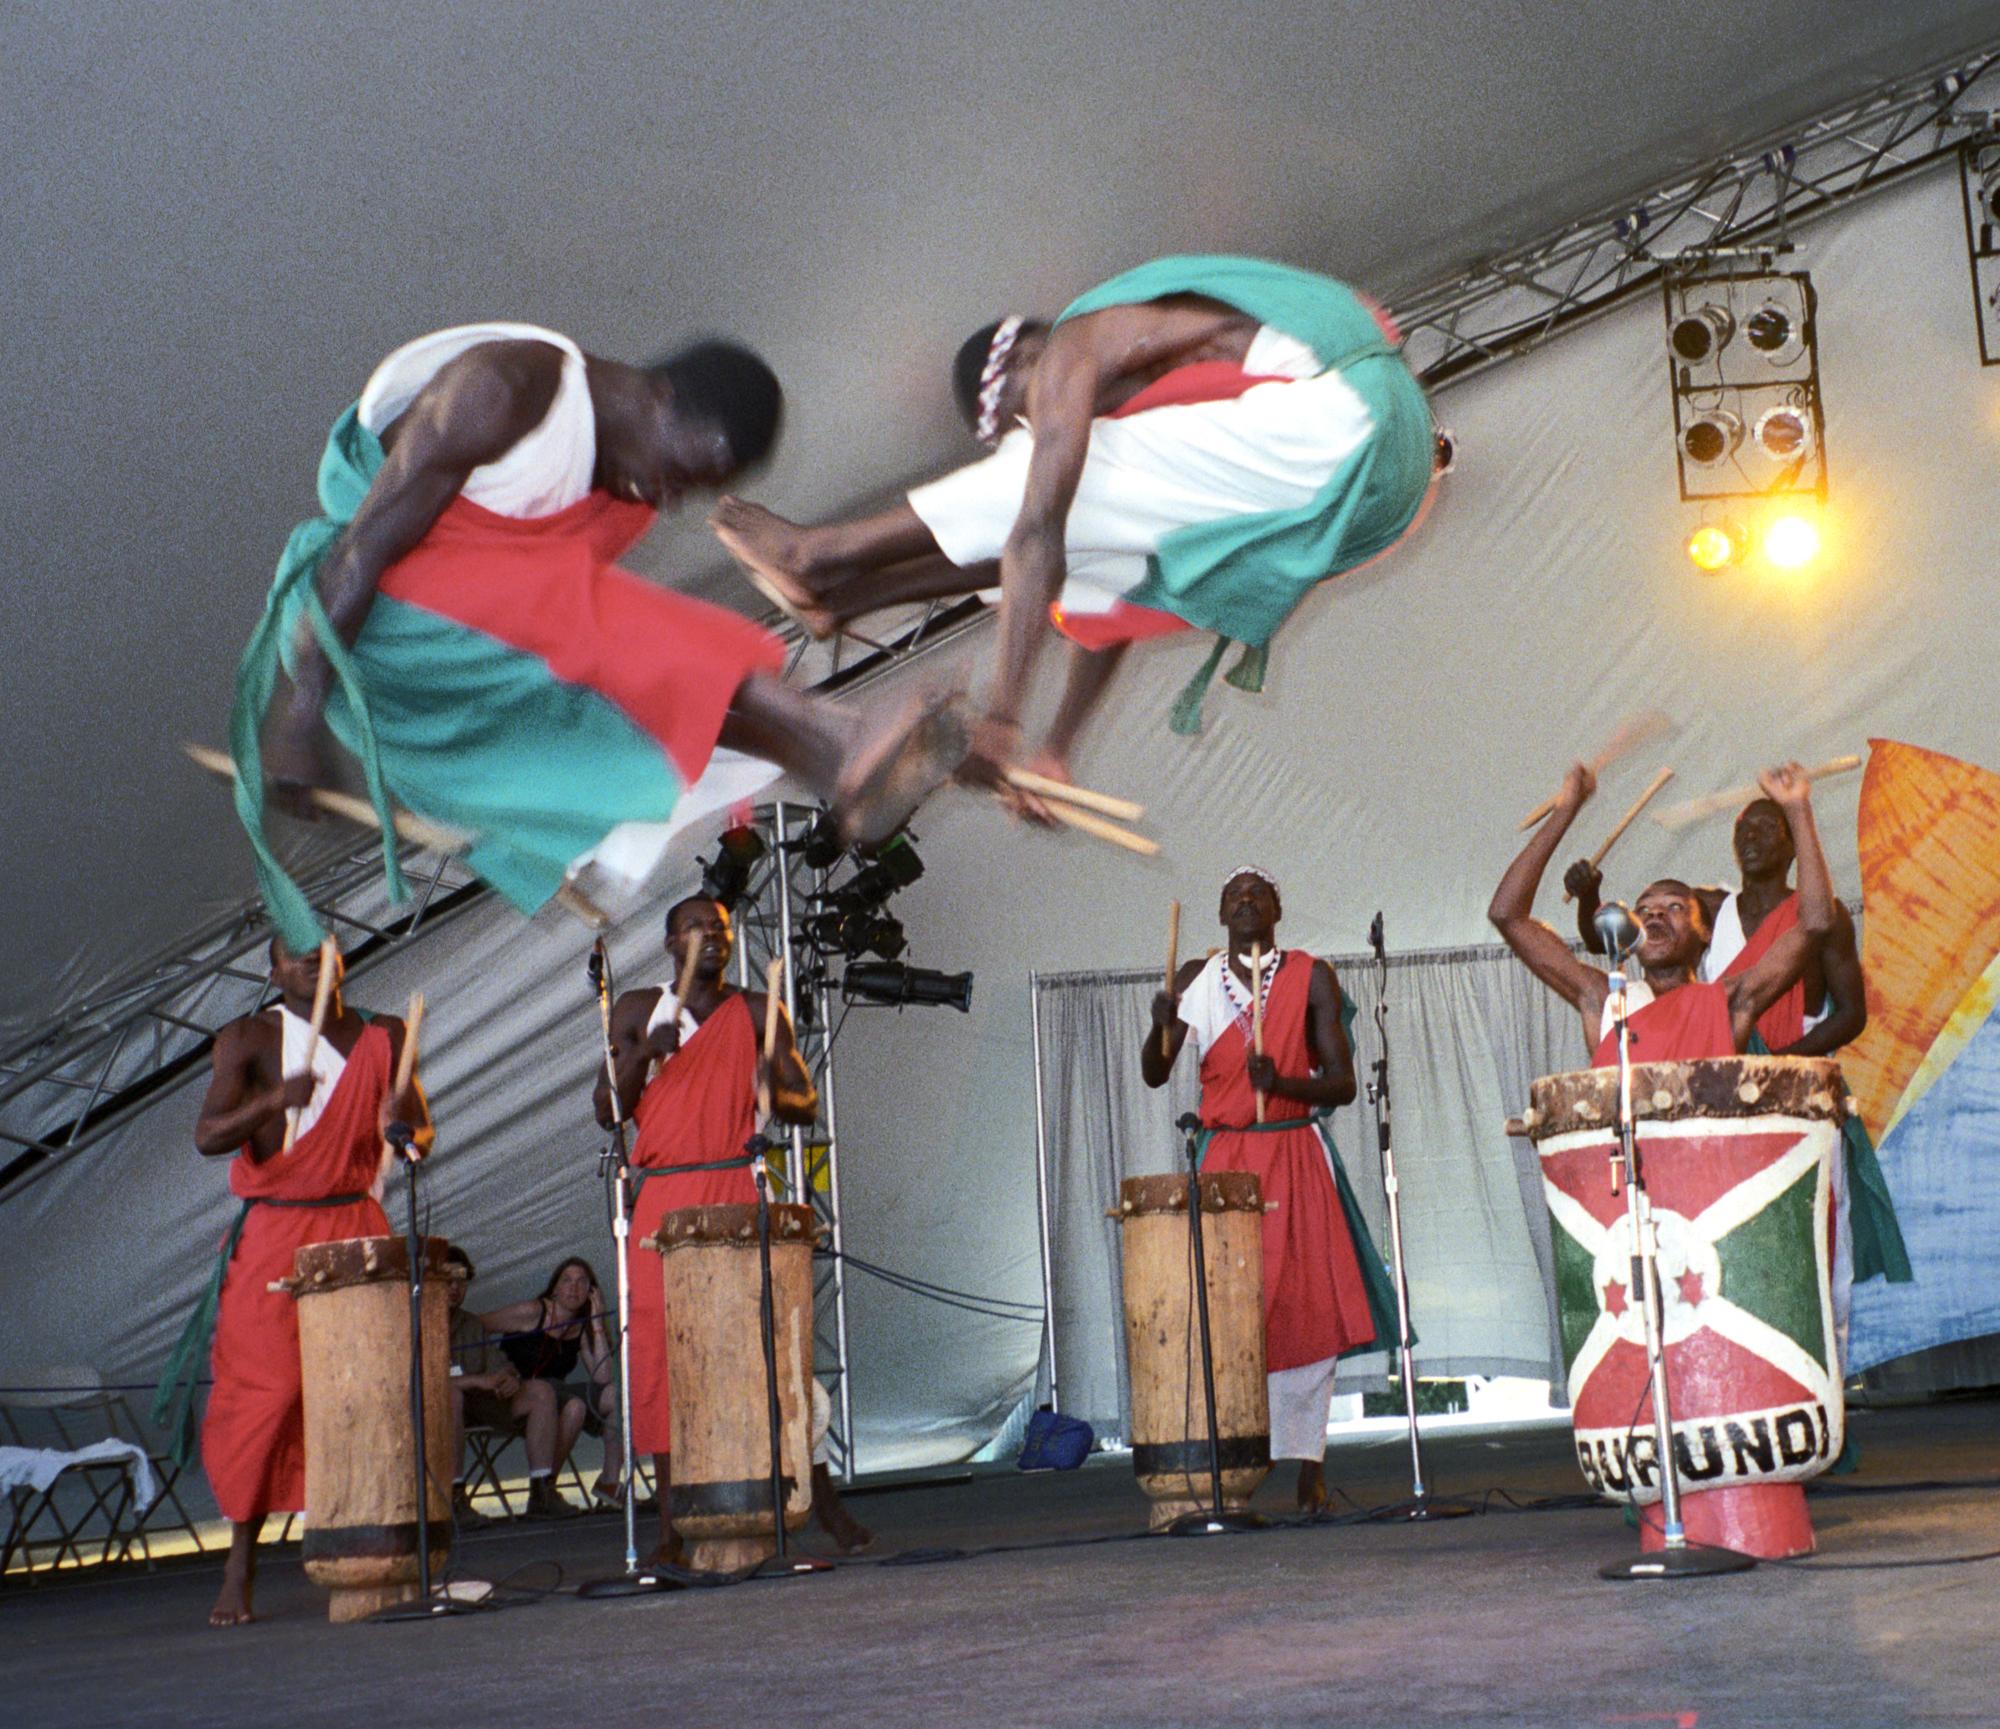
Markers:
(1679, 1025)
(253, 1438)
(1315, 1301)
(1783, 1024)
(701, 1106)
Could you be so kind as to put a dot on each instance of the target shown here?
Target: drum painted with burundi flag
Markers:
(1737, 1156)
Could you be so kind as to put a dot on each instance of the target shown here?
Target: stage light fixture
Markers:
(822, 846)
(879, 982)
(894, 866)
(1699, 332)
(726, 877)
(1784, 433)
(1716, 545)
(1711, 437)
(1791, 541)
(1773, 332)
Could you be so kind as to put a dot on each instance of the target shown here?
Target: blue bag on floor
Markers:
(1055, 1442)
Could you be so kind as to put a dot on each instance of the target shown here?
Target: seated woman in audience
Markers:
(547, 1339)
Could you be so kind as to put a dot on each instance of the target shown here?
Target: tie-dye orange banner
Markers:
(1929, 838)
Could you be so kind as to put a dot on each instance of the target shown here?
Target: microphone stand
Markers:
(1213, 1521)
(783, 1564)
(426, 1607)
(615, 1166)
(1420, 1506)
(1679, 1559)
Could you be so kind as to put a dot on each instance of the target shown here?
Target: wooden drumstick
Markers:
(1173, 966)
(1064, 793)
(439, 837)
(774, 979)
(1597, 858)
(329, 964)
(1711, 804)
(1632, 732)
(1257, 1010)
(1099, 829)
(406, 1064)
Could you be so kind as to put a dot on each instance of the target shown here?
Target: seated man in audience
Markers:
(484, 1387)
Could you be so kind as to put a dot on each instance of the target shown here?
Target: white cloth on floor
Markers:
(549, 468)
(1300, 1401)
(38, 1467)
(1271, 449)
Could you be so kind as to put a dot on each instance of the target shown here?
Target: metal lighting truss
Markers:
(67, 1084)
(781, 887)
(71, 1083)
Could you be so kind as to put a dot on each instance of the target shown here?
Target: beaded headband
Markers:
(991, 376)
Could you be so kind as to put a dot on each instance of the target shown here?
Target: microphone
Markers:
(1616, 929)
(1375, 938)
(596, 965)
(402, 1137)
(1187, 1122)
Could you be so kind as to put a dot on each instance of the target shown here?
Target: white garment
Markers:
(1637, 995)
(37, 1467)
(328, 1065)
(1217, 1000)
(822, 1424)
(550, 468)
(1271, 449)
(1300, 1400)
(1727, 941)
(669, 1008)
(616, 872)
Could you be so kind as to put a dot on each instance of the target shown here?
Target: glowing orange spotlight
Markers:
(1715, 545)
(1791, 542)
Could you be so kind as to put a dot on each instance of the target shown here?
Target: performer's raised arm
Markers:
(1543, 952)
(1156, 1059)
(1758, 986)
(794, 1098)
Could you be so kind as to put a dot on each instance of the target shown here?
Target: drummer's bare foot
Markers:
(239, 1573)
(897, 759)
(773, 555)
(1312, 1486)
(849, 1535)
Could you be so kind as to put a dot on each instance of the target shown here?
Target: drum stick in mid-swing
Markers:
(1063, 793)
(1173, 966)
(1632, 732)
(1712, 804)
(774, 979)
(439, 837)
(406, 1064)
(1645, 798)
(1099, 829)
(329, 966)
(1257, 1010)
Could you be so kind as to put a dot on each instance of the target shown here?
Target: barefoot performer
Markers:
(1326, 1292)
(1674, 1017)
(1211, 438)
(689, 1075)
(455, 619)
(340, 1083)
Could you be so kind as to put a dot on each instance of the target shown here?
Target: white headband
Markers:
(1250, 871)
(991, 375)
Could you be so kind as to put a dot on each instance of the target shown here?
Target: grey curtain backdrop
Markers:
(1468, 1029)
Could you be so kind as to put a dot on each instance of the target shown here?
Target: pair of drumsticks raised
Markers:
(329, 976)
(1637, 731)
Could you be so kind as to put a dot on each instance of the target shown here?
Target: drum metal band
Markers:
(1190, 1458)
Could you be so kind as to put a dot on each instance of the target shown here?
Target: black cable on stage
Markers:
(1805, 1564)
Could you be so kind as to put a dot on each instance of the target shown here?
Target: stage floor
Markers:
(1499, 1619)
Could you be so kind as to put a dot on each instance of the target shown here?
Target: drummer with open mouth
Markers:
(1673, 1016)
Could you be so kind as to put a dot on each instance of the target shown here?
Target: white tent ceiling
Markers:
(220, 215)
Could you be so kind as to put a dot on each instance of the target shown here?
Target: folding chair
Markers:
(36, 1419)
(124, 1425)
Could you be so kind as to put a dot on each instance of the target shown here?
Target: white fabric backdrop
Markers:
(1414, 712)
